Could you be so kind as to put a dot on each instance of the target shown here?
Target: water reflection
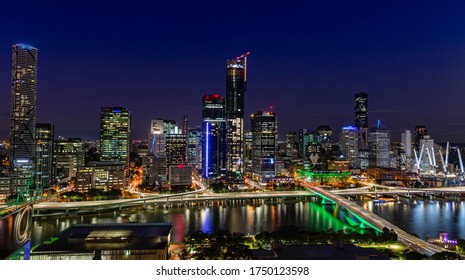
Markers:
(424, 217)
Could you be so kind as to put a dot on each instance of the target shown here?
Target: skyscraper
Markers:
(236, 86)
(23, 117)
(44, 155)
(420, 132)
(379, 146)
(264, 145)
(348, 141)
(361, 118)
(115, 134)
(214, 136)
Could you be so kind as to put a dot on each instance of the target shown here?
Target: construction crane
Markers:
(244, 56)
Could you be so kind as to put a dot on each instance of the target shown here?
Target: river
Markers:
(426, 218)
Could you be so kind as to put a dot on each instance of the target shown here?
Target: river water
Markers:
(425, 218)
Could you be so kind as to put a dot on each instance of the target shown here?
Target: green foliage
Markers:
(221, 245)
(446, 256)
(413, 255)
(461, 246)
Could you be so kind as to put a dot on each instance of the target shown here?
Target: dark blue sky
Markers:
(308, 59)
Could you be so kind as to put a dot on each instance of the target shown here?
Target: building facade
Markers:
(264, 144)
(379, 147)
(44, 155)
(68, 155)
(214, 130)
(23, 118)
(361, 118)
(115, 135)
(235, 90)
(349, 147)
(101, 176)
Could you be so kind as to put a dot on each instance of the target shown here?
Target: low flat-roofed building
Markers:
(107, 242)
(100, 175)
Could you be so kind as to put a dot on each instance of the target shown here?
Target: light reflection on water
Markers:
(422, 217)
(426, 218)
(247, 217)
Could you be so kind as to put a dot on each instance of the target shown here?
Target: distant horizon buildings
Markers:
(23, 118)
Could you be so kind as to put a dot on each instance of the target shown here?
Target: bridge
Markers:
(379, 223)
(400, 191)
(64, 208)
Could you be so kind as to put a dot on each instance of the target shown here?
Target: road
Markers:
(378, 222)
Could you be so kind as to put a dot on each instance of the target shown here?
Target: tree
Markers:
(461, 246)
(221, 245)
(446, 256)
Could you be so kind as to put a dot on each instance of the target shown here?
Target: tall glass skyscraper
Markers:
(44, 155)
(23, 117)
(236, 86)
(213, 136)
(379, 141)
(361, 118)
(264, 145)
(348, 141)
(115, 134)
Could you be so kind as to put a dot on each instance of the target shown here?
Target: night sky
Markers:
(307, 61)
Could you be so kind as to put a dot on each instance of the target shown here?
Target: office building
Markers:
(349, 147)
(420, 132)
(194, 147)
(379, 146)
(292, 146)
(361, 118)
(248, 147)
(115, 135)
(214, 136)
(306, 138)
(324, 136)
(100, 175)
(44, 156)
(23, 118)
(176, 148)
(68, 155)
(264, 144)
(236, 86)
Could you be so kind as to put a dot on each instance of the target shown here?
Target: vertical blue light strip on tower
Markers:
(207, 133)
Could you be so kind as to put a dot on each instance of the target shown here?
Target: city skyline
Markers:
(294, 67)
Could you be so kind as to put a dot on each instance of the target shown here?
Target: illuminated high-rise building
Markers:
(44, 155)
(115, 135)
(292, 145)
(213, 136)
(324, 135)
(236, 86)
(176, 148)
(264, 144)
(68, 156)
(379, 146)
(194, 142)
(348, 142)
(306, 137)
(23, 118)
(361, 118)
(420, 132)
